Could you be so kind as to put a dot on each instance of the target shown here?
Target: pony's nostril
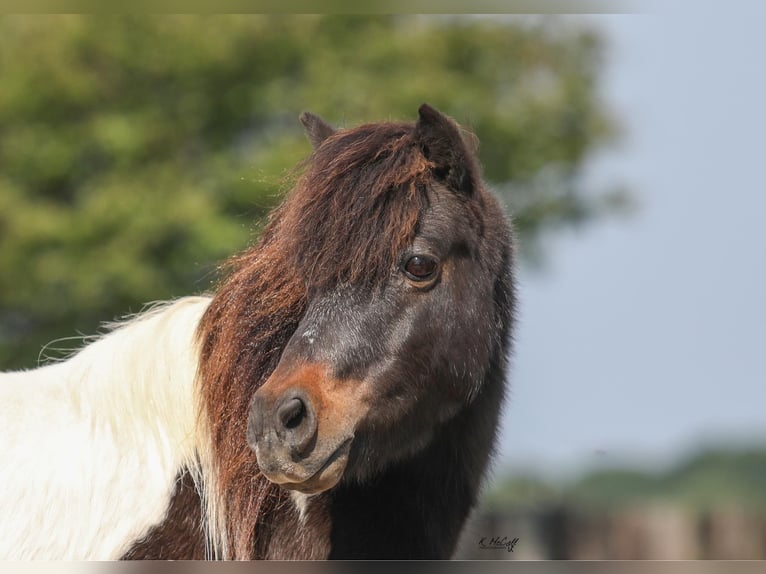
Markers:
(296, 422)
(292, 413)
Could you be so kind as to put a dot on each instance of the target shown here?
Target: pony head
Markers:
(399, 256)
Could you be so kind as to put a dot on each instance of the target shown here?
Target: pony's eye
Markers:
(421, 267)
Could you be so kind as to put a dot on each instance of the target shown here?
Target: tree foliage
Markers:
(715, 477)
(136, 152)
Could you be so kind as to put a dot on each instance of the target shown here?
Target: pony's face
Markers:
(371, 373)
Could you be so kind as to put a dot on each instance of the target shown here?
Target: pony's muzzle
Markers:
(301, 426)
(296, 423)
(287, 426)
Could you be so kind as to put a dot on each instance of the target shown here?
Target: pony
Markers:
(338, 396)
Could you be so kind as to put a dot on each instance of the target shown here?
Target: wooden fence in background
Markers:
(653, 532)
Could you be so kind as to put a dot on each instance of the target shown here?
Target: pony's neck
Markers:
(111, 428)
(140, 377)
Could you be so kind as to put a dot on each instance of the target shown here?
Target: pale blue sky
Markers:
(646, 337)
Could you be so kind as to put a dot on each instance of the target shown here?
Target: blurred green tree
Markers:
(136, 152)
(728, 476)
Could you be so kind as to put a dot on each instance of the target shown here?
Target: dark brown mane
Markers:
(373, 175)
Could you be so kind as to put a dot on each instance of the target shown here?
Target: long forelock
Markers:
(357, 205)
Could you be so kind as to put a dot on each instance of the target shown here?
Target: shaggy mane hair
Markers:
(372, 175)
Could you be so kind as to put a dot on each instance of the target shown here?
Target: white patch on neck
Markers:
(91, 446)
(301, 502)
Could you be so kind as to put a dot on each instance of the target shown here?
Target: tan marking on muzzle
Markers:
(338, 405)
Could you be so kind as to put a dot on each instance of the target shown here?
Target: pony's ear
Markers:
(441, 143)
(317, 129)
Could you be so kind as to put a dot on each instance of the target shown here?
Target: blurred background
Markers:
(137, 152)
